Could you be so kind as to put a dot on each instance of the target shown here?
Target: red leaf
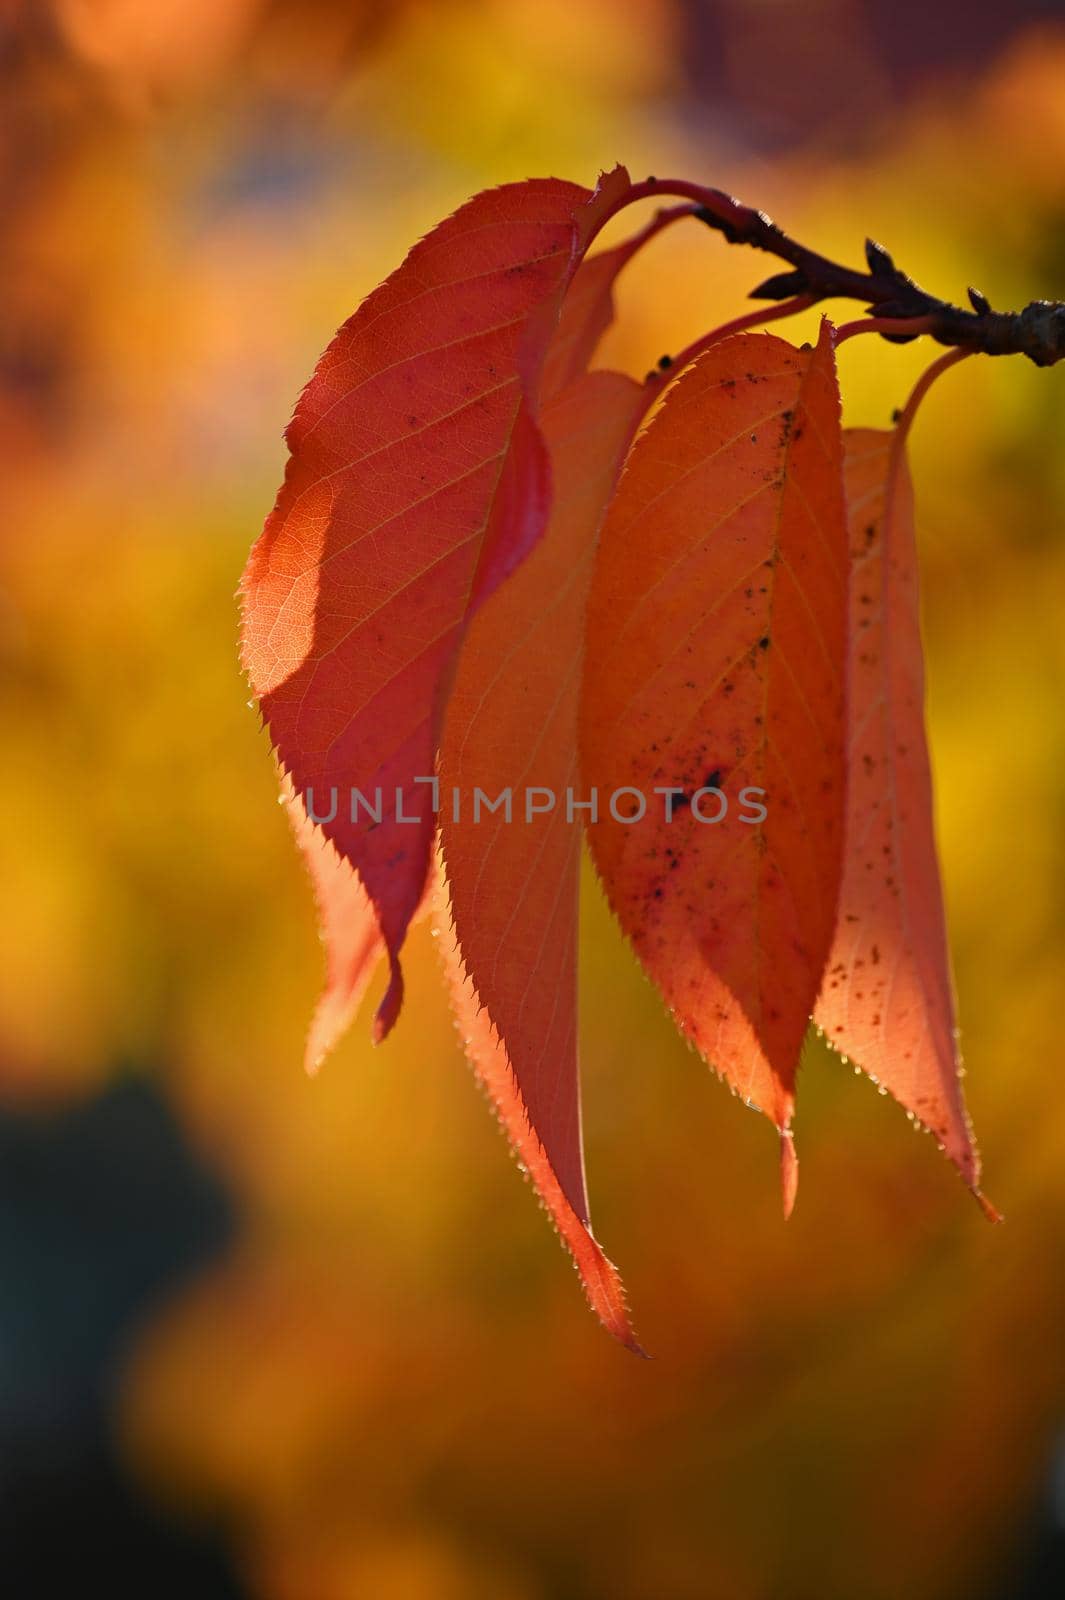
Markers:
(511, 727)
(417, 481)
(888, 1000)
(716, 638)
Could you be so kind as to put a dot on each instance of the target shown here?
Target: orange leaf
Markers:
(511, 729)
(716, 640)
(888, 1000)
(348, 930)
(417, 482)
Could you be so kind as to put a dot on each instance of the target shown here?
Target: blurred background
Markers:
(282, 1340)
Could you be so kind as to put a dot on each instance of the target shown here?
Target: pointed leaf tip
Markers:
(388, 1011)
(487, 1055)
(789, 1171)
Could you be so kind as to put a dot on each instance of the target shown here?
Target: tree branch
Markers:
(1037, 332)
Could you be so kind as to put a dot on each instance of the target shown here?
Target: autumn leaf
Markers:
(347, 921)
(888, 999)
(417, 482)
(713, 666)
(510, 740)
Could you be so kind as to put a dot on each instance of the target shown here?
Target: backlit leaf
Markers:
(714, 661)
(888, 999)
(417, 482)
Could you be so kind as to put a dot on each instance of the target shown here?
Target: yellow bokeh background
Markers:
(389, 1386)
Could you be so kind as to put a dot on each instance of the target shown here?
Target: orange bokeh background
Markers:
(387, 1385)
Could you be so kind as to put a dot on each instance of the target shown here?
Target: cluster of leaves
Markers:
(486, 564)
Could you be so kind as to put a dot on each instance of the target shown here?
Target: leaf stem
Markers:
(750, 319)
(898, 329)
(905, 418)
(663, 218)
